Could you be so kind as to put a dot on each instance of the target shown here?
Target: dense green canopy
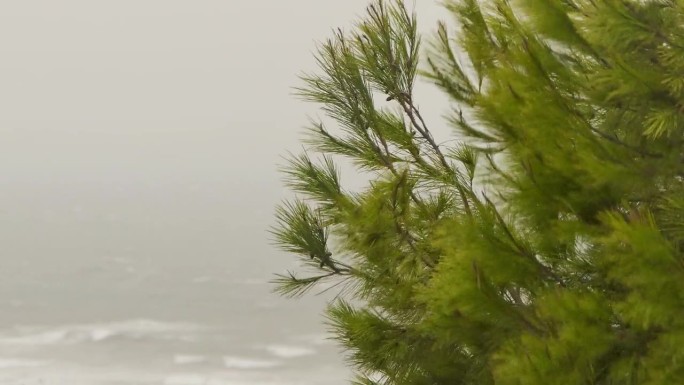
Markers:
(544, 245)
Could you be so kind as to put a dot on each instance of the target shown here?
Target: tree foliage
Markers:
(545, 245)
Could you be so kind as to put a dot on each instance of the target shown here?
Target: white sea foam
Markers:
(186, 359)
(12, 363)
(286, 351)
(248, 363)
(196, 379)
(37, 338)
(101, 334)
(75, 375)
(74, 334)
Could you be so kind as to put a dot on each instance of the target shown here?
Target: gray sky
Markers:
(139, 144)
(153, 127)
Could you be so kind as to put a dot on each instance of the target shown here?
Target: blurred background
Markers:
(139, 144)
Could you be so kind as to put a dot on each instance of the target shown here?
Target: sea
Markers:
(101, 285)
(181, 329)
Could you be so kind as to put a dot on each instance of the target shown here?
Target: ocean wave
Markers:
(186, 359)
(248, 363)
(285, 351)
(74, 334)
(13, 363)
(197, 379)
(64, 373)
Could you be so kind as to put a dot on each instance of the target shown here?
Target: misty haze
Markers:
(138, 175)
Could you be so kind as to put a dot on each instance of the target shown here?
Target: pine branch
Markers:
(523, 251)
(291, 286)
(414, 116)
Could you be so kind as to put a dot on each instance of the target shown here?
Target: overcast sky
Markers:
(153, 125)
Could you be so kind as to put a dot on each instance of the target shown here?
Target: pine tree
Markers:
(545, 247)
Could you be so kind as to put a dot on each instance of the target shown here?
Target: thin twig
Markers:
(520, 248)
(419, 125)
